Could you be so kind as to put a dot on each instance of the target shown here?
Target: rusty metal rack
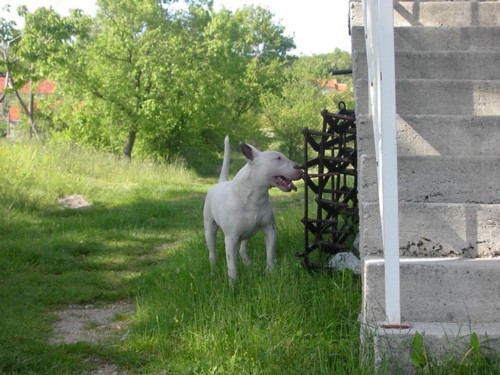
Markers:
(331, 196)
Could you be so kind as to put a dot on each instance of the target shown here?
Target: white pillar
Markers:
(379, 33)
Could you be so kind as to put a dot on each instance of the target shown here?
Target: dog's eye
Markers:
(279, 157)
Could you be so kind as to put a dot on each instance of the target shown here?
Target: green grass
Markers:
(142, 240)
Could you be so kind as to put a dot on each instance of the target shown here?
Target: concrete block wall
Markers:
(447, 56)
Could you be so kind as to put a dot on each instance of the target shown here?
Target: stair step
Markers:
(438, 13)
(448, 131)
(438, 97)
(438, 135)
(436, 230)
(437, 179)
(437, 290)
(471, 65)
(436, 39)
(445, 343)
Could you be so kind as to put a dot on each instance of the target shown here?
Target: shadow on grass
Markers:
(55, 257)
(287, 321)
(188, 319)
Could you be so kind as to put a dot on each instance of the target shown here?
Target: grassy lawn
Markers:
(142, 241)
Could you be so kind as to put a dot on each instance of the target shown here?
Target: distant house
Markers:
(328, 85)
(11, 110)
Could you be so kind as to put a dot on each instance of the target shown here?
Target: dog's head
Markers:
(273, 167)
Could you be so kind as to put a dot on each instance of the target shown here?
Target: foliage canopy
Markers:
(167, 79)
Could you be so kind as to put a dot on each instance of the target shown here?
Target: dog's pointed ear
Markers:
(248, 151)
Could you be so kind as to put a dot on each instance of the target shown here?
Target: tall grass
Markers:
(142, 240)
(33, 175)
(288, 321)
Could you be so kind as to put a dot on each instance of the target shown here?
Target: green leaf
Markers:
(474, 342)
(419, 357)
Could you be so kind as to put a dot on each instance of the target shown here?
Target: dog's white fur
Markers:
(242, 206)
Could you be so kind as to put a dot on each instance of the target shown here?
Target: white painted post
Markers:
(382, 91)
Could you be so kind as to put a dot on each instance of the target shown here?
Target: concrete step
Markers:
(436, 39)
(471, 65)
(438, 97)
(437, 290)
(437, 179)
(445, 344)
(438, 13)
(437, 135)
(435, 230)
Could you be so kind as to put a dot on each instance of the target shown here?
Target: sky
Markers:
(317, 26)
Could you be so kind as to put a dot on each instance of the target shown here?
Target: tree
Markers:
(244, 55)
(118, 72)
(29, 55)
(319, 65)
(11, 66)
(301, 101)
(169, 81)
(144, 76)
(285, 115)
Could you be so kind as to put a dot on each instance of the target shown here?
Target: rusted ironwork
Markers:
(331, 199)
(337, 72)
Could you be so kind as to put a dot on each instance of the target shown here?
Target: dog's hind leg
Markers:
(243, 252)
(211, 228)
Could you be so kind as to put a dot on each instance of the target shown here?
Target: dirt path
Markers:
(91, 324)
(88, 323)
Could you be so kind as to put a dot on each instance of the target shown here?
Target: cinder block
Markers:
(436, 39)
(437, 135)
(438, 97)
(442, 65)
(437, 179)
(436, 230)
(436, 290)
(438, 14)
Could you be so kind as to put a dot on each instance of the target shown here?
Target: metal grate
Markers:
(331, 194)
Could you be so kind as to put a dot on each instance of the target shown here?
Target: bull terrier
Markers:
(241, 207)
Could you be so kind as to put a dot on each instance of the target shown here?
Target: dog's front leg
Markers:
(270, 238)
(231, 251)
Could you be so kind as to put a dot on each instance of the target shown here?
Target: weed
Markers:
(475, 358)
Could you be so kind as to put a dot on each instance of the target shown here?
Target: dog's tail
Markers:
(224, 172)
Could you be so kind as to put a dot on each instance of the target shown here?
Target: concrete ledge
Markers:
(444, 342)
(438, 14)
(437, 135)
(441, 290)
(481, 65)
(438, 97)
(436, 38)
(436, 230)
(437, 179)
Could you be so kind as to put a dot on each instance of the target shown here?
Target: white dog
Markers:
(242, 206)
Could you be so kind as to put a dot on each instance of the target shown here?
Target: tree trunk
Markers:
(29, 115)
(31, 105)
(25, 109)
(129, 144)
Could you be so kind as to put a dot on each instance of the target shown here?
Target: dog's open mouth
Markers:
(284, 184)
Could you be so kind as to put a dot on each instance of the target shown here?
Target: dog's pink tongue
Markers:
(282, 183)
(285, 184)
